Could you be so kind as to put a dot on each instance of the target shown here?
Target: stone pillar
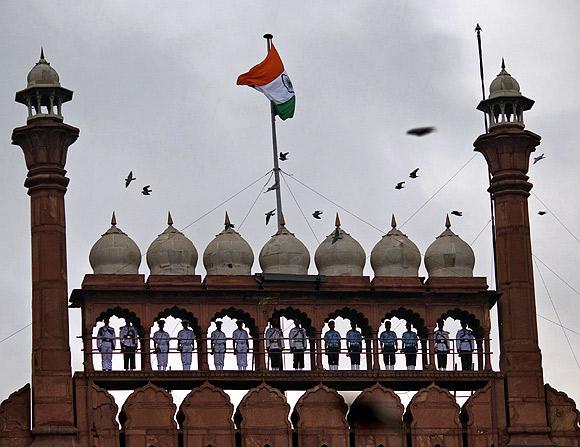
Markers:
(145, 343)
(431, 343)
(259, 352)
(376, 357)
(369, 352)
(479, 344)
(487, 348)
(319, 365)
(507, 150)
(312, 345)
(45, 142)
(202, 352)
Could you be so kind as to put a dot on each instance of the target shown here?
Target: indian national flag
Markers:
(270, 78)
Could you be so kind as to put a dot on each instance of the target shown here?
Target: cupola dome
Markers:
(115, 253)
(171, 253)
(504, 84)
(449, 255)
(228, 253)
(395, 254)
(42, 74)
(284, 253)
(340, 254)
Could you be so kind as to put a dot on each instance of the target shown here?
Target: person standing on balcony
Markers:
(128, 336)
(161, 344)
(185, 344)
(218, 346)
(354, 346)
(465, 346)
(241, 345)
(389, 346)
(106, 345)
(410, 342)
(275, 344)
(298, 345)
(441, 338)
(332, 346)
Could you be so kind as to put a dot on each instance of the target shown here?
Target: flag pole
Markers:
(268, 38)
(491, 205)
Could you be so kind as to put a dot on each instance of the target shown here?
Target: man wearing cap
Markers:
(128, 336)
(106, 345)
(332, 346)
(410, 347)
(241, 345)
(275, 344)
(441, 345)
(185, 344)
(465, 346)
(161, 343)
(389, 346)
(218, 346)
(354, 346)
(298, 345)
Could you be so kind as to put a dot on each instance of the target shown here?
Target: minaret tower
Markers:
(507, 148)
(45, 140)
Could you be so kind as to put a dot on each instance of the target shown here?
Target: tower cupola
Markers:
(43, 95)
(340, 254)
(505, 104)
(449, 255)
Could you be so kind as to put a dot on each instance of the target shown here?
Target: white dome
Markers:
(395, 254)
(340, 254)
(115, 253)
(504, 85)
(172, 253)
(228, 253)
(43, 75)
(284, 253)
(449, 255)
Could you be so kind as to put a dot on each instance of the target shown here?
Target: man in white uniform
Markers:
(161, 343)
(465, 346)
(241, 346)
(298, 345)
(106, 345)
(185, 344)
(218, 346)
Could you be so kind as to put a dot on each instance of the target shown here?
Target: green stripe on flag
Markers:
(285, 110)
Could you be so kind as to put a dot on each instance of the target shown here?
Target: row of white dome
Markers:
(172, 253)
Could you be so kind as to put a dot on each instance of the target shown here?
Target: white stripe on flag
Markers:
(279, 90)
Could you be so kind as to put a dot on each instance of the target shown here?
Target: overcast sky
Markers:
(154, 92)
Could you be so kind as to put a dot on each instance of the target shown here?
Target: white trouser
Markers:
(107, 355)
(186, 351)
(162, 355)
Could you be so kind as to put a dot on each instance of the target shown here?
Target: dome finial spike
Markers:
(337, 220)
(113, 219)
(282, 221)
(227, 222)
(502, 64)
(447, 222)
(169, 218)
(393, 221)
(41, 53)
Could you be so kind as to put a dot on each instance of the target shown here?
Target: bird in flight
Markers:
(457, 213)
(146, 190)
(273, 187)
(400, 185)
(421, 131)
(269, 215)
(316, 214)
(129, 179)
(541, 213)
(284, 156)
(538, 158)
(413, 174)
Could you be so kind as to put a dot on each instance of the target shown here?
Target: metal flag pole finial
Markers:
(276, 169)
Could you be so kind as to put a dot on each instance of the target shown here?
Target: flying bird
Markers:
(316, 214)
(146, 190)
(400, 185)
(541, 213)
(269, 215)
(273, 187)
(284, 156)
(421, 131)
(413, 174)
(129, 179)
(457, 213)
(538, 158)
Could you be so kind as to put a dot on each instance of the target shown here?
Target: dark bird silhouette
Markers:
(316, 214)
(538, 158)
(129, 179)
(284, 156)
(147, 190)
(457, 213)
(541, 213)
(269, 215)
(273, 187)
(400, 185)
(413, 174)
(421, 131)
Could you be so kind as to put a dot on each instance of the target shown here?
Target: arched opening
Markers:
(299, 351)
(116, 344)
(459, 339)
(411, 346)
